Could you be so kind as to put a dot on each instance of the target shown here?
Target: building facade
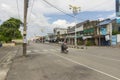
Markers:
(89, 32)
(60, 34)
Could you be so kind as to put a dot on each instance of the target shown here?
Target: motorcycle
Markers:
(65, 49)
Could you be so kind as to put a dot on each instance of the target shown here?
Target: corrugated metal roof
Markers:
(105, 22)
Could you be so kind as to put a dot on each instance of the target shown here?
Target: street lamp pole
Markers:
(75, 11)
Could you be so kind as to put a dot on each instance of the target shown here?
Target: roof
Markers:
(105, 22)
(80, 24)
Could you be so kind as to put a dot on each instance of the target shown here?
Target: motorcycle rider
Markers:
(63, 47)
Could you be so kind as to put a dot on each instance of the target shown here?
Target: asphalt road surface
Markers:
(47, 63)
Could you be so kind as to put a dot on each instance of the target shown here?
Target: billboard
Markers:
(114, 40)
(118, 8)
(103, 31)
(118, 20)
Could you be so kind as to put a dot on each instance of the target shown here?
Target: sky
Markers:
(42, 17)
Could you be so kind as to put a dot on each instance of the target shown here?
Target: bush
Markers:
(89, 43)
(80, 43)
(115, 32)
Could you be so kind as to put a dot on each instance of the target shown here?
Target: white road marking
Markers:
(103, 57)
(87, 67)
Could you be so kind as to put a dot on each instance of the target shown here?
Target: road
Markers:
(47, 63)
(6, 56)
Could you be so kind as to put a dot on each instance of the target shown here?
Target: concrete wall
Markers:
(8, 44)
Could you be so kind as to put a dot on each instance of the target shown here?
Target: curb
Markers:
(85, 47)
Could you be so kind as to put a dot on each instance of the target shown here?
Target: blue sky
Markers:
(87, 15)
(42, 17)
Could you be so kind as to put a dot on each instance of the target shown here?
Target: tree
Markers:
(10, 30)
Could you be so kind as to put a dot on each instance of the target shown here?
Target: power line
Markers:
(57, 8)
(31, 11)
(60, 9)
(18, 9)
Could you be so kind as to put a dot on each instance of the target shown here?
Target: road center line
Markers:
(87, 66)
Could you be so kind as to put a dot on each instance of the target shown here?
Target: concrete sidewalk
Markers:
(6, 56)
(28, 68)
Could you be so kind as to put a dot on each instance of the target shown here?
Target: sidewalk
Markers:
(6, 60)
(33, 67)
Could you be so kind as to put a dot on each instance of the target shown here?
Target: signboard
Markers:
(24, 39)
(118, 38)
(103, 31)
(118, 8)
(114, 40)
(118, 20)
(107, 37)
(86, 37)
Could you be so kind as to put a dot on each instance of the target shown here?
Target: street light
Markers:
(75, 11)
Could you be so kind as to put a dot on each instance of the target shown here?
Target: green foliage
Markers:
(89, 43)
(10, 30)
(115, 32)
(80, 43)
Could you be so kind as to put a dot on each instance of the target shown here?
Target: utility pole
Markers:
(75, 11)
(110, 33)
(99, 37)
(25, 27)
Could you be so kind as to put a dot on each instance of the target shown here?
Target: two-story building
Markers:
(90, 31)
(79, 33)
(60, 34)
(105, 30)
(50, 37)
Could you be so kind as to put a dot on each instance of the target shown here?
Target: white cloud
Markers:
(8, 8)
(62, 23)
(100, 19)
